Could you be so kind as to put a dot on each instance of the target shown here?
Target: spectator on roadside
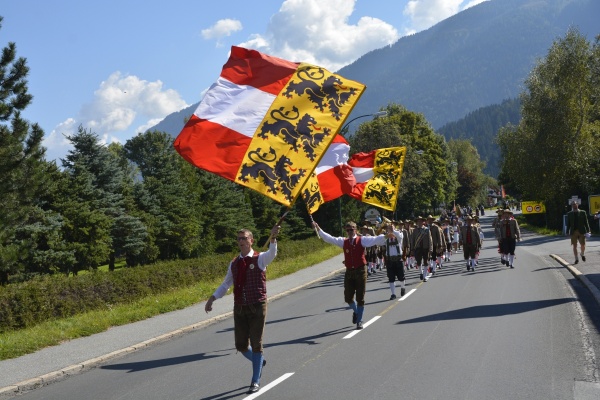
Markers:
(578, 227)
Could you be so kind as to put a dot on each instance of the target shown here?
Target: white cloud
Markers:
(221, 29)
(424, 14)
(308, 31)
(118, 103)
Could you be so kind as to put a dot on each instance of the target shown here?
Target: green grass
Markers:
(17, 343)
(537, 229)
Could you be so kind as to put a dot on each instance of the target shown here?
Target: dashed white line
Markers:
(356, 331)
(269, 386)
(407, 294)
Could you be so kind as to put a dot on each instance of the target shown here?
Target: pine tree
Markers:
(21, 158)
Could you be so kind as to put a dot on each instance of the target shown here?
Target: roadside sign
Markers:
(574, 199)
(594, 202)
(533, 207)
(373, 215)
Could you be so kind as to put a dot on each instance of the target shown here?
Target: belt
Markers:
(353, 268)
(394, 258)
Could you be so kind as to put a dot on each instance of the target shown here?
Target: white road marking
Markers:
(407, 294)
(269, 386)
(356, 331)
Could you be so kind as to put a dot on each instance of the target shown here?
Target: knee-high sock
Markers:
(257, 363)
(353, 306)
(360, 312)
(393, 287)
(248, 354)
(511, 258)
(403, 284)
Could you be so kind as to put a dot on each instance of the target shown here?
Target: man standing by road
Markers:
(355, 278)
(578, 226)
(247, 272)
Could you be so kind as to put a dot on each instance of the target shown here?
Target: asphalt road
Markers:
(495, 333)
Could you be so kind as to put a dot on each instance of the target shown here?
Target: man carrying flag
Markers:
(265, 124)
(355, 278)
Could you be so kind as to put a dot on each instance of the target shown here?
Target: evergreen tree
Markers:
(21, 158)
(102, 181)
(170, 195)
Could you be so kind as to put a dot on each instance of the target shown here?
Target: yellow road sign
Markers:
(533, 207)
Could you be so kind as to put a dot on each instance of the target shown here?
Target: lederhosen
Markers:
(355, 278)
(509, 241)
(421, 252)
(250, 303)
(394, 264)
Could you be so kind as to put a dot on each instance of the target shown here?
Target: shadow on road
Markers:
(491, 310)
(165, 362)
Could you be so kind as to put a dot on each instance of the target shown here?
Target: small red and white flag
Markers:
(378, 175)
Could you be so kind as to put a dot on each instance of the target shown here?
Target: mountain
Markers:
(481, 127)
(475, 58)
(173, 123)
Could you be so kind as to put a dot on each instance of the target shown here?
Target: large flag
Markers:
(378, 176)
(266, 122)
(332, 178)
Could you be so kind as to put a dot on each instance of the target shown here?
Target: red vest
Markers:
(249, 281)
(354, 253)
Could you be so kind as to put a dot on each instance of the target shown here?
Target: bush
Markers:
(44, 298)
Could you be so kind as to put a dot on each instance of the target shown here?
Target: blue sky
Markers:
(118, 67)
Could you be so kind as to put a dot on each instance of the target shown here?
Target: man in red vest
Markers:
(355, 278)
(247, 272)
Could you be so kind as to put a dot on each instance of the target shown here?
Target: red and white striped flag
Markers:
(332, 178)
(267, 122)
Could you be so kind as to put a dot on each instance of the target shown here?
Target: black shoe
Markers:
(421, 276)
(583, 258)
(354, 317)
(254, 387)
(402, 292)
(359, 325)
(503, 262)
(511, 266)
(576, 261)
(392, 297)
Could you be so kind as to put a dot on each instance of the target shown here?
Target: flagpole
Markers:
(278, 223)
(313, 222)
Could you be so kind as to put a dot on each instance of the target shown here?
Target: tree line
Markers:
(140, 202)
(553, 153)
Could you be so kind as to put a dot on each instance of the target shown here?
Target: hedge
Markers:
(26, 304)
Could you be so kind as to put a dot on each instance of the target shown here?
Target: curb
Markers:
(55, 376)
(581, 277)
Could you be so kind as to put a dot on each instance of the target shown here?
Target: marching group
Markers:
(423, 244)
